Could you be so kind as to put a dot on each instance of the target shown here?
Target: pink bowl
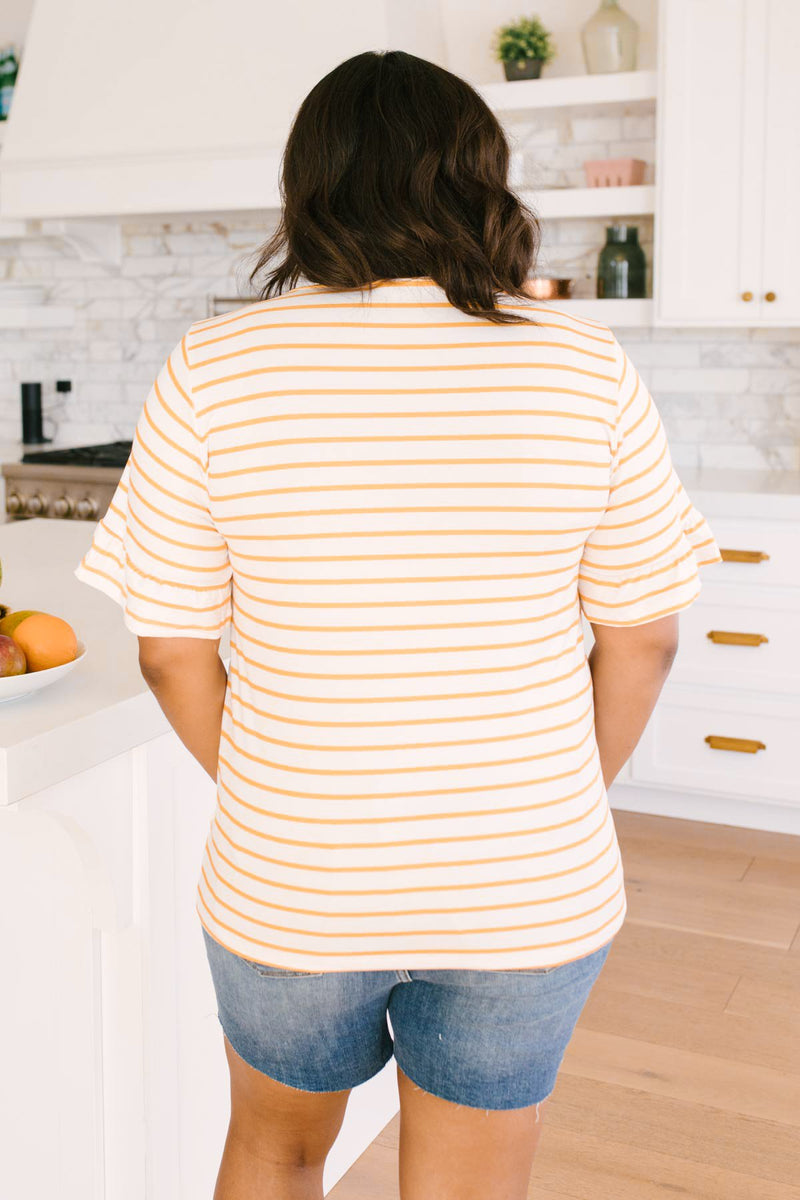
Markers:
(614, 172)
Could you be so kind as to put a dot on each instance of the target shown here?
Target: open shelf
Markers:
(36, 316)
(570, 91)
(591, 202)
(618, 314)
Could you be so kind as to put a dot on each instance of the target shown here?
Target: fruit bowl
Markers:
(14, 686)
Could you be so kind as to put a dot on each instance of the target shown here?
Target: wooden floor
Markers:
(683, 1075)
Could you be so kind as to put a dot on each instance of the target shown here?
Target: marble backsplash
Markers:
(728, 397)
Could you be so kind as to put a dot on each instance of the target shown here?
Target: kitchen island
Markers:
(114, 1079)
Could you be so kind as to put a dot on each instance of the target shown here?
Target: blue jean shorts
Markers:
(486, 1039)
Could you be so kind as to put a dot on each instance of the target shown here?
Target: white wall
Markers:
(14, 18)
(729, 397)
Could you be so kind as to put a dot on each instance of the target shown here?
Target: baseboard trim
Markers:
(697, 806)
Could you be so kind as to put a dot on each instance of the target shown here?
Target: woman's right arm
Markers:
(639, 568)
(629, 665)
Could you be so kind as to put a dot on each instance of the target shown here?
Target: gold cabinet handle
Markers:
(747, 297)
(723, 637)
(743, 745)
(748, 556)
(769, 297)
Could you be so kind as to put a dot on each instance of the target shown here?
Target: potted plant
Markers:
(523, 47)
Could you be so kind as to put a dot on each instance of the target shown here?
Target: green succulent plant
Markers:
(522, 39)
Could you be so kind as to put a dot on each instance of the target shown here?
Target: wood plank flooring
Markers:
(683, 1075)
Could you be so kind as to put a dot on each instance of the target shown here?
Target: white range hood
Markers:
(159, 106)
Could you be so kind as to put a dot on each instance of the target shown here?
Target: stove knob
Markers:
(86, 508)
(36, 505)
(63, 507)
(14, 503)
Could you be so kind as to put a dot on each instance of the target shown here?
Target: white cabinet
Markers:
(727, 720)
(780, 264)
(727, 242)
(741, 640)
(726, 742)
(70, 1001)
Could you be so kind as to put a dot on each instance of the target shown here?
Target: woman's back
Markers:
(402, 508)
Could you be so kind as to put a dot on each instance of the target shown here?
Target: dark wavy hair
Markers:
(395, 168)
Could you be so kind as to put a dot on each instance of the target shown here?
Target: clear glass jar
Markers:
(609, 40)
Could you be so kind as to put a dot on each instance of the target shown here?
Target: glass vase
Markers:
(609, 40)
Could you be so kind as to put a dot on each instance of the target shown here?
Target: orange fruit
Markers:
(45, 640)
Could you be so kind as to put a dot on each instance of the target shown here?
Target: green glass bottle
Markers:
(621, 267)
(9, 66)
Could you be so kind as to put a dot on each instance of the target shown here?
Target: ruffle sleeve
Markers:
(642, 560)
(157, 551)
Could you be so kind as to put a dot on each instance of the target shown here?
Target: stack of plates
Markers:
(21, 293)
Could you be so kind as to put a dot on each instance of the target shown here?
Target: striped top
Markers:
(402, 510)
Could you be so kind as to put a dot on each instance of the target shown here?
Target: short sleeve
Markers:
(157, 551)
(642, 560)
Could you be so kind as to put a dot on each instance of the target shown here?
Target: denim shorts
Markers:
(486, 1039)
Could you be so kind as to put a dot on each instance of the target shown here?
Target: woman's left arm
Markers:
(188, 679)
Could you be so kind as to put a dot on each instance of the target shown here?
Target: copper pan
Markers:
(548, 289)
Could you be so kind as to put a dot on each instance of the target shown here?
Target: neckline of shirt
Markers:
(377, 283)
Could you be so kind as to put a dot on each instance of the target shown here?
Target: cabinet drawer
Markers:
(673, 751)
(778, 540)
(771, 665)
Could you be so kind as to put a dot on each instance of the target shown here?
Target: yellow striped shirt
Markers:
(402, 511)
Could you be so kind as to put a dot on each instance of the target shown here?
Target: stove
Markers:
(74, 483)
(109, 454)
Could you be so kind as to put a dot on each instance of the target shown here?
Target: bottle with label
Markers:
(9, 67)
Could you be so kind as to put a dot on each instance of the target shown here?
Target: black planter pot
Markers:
(523, 68)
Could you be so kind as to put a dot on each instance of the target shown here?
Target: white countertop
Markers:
(737, 493)
(104, 707)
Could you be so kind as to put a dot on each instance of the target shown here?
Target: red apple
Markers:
(12, 657)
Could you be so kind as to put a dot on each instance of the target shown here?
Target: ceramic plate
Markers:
(12, 687)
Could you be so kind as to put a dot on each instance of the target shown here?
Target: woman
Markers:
(403, 480)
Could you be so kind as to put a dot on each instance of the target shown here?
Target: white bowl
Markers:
(12, 687)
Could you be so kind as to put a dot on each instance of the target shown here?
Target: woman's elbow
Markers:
(656, 640)
(664, 637)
